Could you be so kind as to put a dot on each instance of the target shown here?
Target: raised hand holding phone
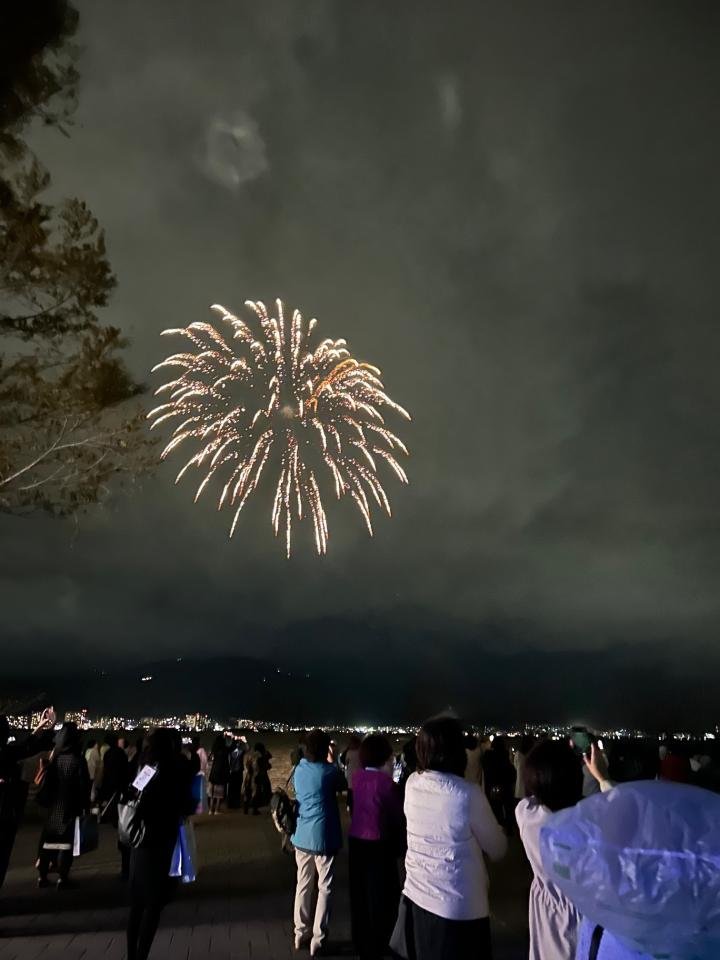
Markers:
(596, 763)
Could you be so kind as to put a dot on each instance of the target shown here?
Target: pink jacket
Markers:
(377, 806)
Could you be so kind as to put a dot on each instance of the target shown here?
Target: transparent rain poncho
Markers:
(643, 861)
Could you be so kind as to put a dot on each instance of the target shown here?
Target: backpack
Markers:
(284, 811)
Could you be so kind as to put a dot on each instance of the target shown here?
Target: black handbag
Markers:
(89, 836)
(131, 826)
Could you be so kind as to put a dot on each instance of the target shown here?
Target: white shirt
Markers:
(449, 826)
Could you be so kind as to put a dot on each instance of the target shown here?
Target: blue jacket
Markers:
(318, 822)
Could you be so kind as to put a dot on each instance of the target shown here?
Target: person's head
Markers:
(499, 746)
(409, 754)
(375, 750)
(354, 742)
(67, 739)
(471, 742)
(4, 730)
(122, 743)
(553, 775)
(160, 747)
(631, 760)
(91, 744)
(218, 744)
(317, 745)
(440, 746)
(111, 739)
(526, 744)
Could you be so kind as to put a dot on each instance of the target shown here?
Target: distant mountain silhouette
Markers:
(337, 675)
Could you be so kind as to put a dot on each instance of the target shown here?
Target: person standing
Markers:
(444, 912)
(675, 764)
(237, 767)
(256, 782)
(115, 776)
(115, 780)
(408, 763)
(317, 839)
(376, 838)
(202, 755)
(499, 779)
(351, 762)
(519, 756)
(94, 759)
(473, 753)
(66, 794)
(13, 791)
(298, 751)
(164, 802)
(553, 781)
(218, 774)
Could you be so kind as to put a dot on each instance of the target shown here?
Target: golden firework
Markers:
(313, 412)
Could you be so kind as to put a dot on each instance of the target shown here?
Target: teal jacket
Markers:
(318, 821)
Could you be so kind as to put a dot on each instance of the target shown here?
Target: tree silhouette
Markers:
(65, 426)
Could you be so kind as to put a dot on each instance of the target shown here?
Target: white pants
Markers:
(310, 866)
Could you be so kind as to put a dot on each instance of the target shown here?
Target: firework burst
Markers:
(266, 400)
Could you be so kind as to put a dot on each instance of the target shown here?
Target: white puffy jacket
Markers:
(449, 826)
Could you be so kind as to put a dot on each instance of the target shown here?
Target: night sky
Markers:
(513, 210)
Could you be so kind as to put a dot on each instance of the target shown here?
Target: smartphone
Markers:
(582, 741)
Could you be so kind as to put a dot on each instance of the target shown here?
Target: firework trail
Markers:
(270, 401)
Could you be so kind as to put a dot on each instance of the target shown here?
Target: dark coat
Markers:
(66, 794)
(116, 772)
(219, 768)
(166, 800)
(12, 790)
(256, 781)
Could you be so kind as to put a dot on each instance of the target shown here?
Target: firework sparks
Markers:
(265, 397)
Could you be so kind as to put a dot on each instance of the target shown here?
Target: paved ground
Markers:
(240, 908)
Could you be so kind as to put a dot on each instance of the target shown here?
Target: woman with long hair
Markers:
(444, 913)
(164, 802)
(66, 793)
(553, 781)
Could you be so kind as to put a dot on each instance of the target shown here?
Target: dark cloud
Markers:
(512, 211)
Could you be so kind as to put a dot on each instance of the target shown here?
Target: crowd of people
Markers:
(422, 825)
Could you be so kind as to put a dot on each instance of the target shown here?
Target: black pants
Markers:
(234, 792)
(502, 802)
(124, 852)
(8, 829)
(63, 859)
(374, 896)
(142, 926)
(429, 937)
(150, 890)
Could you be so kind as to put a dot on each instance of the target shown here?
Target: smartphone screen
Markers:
(581, 740)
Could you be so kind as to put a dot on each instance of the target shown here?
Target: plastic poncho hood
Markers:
(643, 861)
